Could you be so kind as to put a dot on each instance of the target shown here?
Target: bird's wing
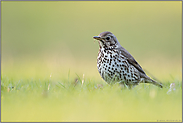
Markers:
(131, 60)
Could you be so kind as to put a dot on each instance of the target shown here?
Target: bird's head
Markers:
(107, 40)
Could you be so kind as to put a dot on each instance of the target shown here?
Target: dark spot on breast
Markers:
(111, 74)
(122, 57)
(126, 63)
(110, 60)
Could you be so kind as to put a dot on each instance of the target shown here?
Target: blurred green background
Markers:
(40, 39)
(55, 37)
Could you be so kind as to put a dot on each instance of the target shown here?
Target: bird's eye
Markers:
(107, 38)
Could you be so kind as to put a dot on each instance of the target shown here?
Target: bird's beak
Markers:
(97, 37)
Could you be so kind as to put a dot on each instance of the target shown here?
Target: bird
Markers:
(116, 65)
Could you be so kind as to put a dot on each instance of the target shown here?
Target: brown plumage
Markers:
(116, 64)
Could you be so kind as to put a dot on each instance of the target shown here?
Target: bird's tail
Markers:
(149, 80)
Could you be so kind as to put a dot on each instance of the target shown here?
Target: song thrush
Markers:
(116, 64)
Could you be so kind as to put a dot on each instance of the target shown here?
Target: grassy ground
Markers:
(87, 100)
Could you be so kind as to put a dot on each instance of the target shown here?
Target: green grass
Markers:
(66, 100)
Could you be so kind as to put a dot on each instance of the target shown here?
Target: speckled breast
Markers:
(114, 67)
